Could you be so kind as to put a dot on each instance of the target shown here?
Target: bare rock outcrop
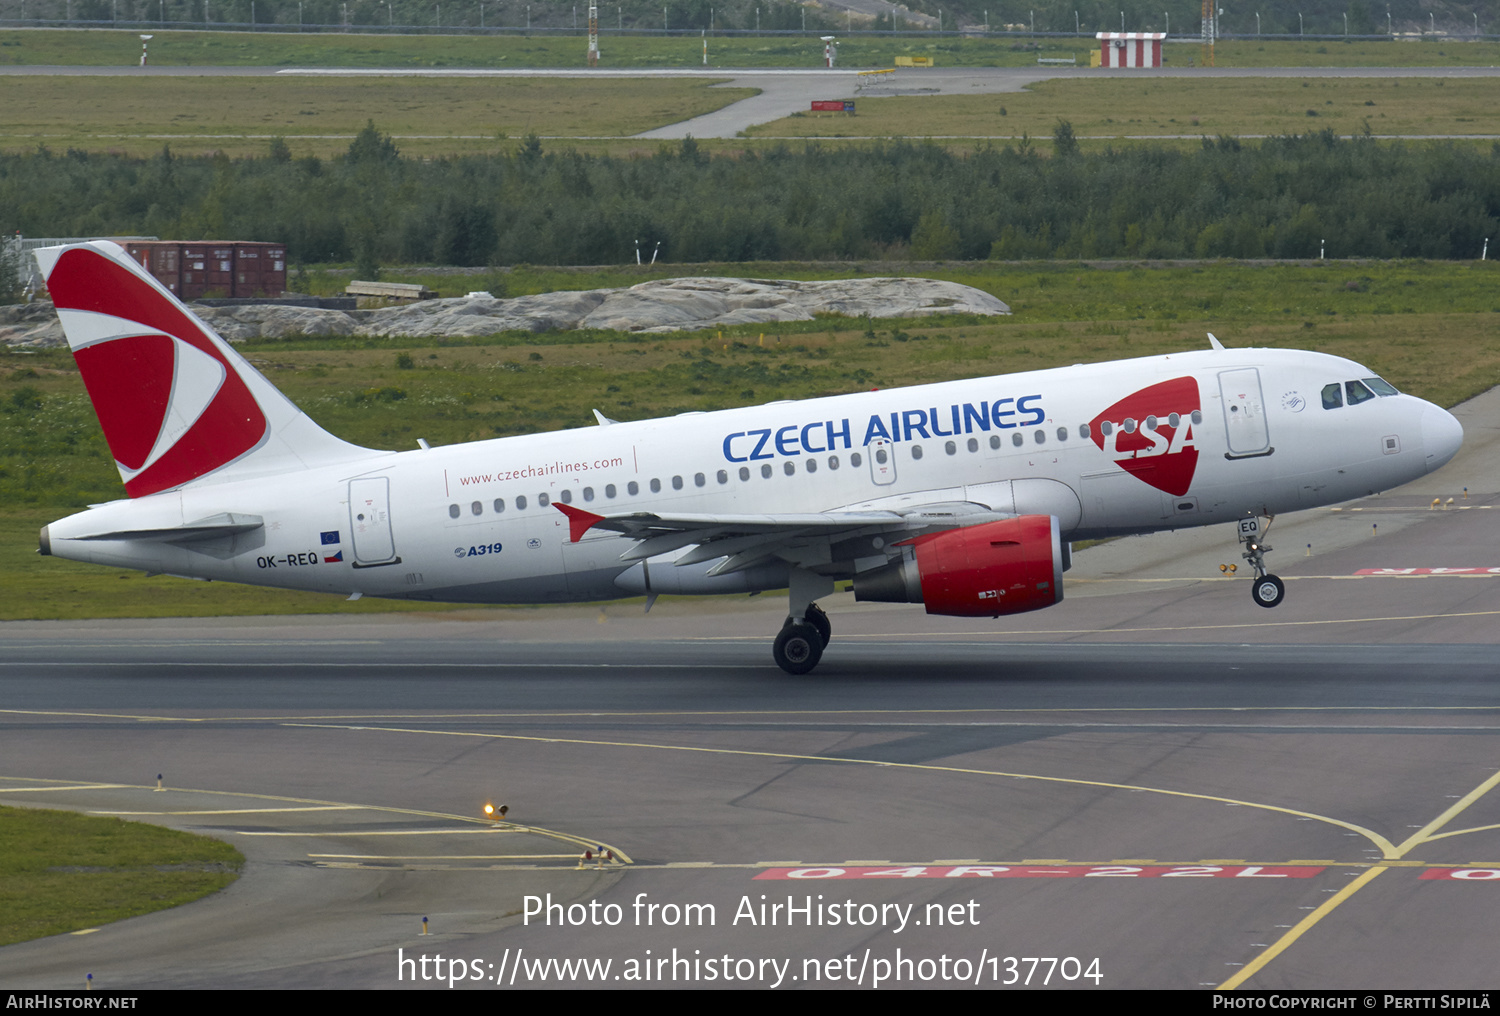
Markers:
(662, 305)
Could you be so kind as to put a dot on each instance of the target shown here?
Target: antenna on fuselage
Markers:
(1214, 342)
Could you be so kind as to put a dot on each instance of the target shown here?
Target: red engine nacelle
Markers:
(1004, 567)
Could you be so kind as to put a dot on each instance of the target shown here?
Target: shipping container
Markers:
(216, 268)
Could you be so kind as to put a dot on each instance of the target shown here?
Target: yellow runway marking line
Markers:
(87, 716)
(78, 786)
(1380, 841)
(238, 811)
(486, 824)
(1461, 832)
(1424, 835)
(1301, 928)
(448, 857)
(385, 832)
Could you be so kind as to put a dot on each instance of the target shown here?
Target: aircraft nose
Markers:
(1442, 435)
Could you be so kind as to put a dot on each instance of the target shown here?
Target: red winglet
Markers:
(579, 521)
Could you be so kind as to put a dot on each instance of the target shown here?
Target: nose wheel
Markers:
(1267, 590)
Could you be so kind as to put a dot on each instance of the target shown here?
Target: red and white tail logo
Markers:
(1149, 434)
(176, 403)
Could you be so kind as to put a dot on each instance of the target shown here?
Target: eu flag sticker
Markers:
(330, 537)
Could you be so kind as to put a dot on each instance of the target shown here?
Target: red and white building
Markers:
(1130, 49)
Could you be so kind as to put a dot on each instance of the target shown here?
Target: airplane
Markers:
(964, 496)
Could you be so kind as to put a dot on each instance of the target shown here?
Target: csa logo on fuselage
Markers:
(1149, 434)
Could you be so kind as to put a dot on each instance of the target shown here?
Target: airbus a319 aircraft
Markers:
(962, 496)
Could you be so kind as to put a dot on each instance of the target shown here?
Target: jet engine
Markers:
(1004, 567)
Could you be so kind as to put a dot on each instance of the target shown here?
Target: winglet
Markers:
(604, 421)
(579, 521)
(1214, 341)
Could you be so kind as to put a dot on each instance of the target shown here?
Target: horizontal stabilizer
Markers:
(223, 524)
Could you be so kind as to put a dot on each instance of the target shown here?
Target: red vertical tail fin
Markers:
(176, 402)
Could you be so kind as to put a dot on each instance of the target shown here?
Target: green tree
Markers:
(1064, 144)
(371, 147)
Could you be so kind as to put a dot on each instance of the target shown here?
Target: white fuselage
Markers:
(1128, 447)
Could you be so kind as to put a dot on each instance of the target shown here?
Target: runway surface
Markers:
(1154, 784)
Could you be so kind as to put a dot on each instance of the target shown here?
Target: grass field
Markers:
(102, 47)
(319, 116)
(427, 116)
(1430, 328)
(1123, 108)
(61, 871)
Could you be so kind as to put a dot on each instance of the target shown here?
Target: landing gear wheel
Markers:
(798, 648)
(1268, 590)
(815, 616)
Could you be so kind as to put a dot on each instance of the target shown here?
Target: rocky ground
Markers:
(658, 306)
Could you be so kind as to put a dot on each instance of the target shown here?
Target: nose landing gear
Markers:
(1267, 590)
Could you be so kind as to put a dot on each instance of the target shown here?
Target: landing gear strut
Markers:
(1267, 590)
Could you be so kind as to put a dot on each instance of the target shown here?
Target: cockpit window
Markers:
(1381, 386)
(1357, 392)
(1333, 396)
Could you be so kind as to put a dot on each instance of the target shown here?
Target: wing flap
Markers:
(803, 538)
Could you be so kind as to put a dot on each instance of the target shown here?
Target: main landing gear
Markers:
(1267, 590)
(800, 644)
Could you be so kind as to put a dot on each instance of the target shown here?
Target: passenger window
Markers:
(1357, 392)
(1041, 436)
(994, 440)
(765, 471)
(476, 508)
(676, 483)
(655, 486)
(520, 502)
(1062, 433)
(744, 472)
(833, 462)
(973, 444)
(812, 465)
(499, 505)
(950, 447)
(609, 491)
(567, 497)
(632, 488)
(453, 511)
(1017, 440)
(588, 493)
(856, 459)
(916, 451)
(1083, 431)
(542, 500)
(789, 467)
(1333, 396)
(722, 476)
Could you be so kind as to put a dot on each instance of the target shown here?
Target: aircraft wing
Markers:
(744, 540)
